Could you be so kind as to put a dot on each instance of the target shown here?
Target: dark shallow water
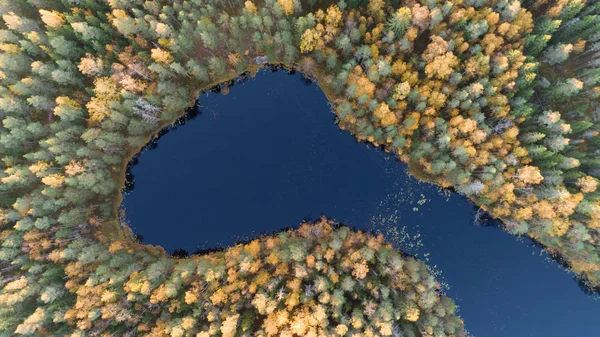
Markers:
(268, 155)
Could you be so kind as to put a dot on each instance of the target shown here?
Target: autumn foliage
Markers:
(495, 98)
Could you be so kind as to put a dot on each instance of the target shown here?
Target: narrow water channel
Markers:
(269, 155)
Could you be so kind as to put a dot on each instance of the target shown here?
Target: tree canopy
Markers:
(496, 98)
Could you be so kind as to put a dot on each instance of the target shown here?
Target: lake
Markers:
(269, 155)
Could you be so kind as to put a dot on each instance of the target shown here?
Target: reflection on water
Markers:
(269, 155)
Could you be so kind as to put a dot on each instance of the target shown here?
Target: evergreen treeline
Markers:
(497, 98)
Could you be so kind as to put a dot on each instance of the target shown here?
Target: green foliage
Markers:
(475, 94)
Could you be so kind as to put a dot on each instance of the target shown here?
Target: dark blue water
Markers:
(269, 155)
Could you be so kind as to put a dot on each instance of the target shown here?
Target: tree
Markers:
(89, 33)
(161, 56)
(441, 66)
(64, 47)
(90, 65)
(472, 188)
(563, 90)
(400, 21)
(125, 24)
(385, 115)
(557, 54)
(250, 7)
(229, 327)
(420, 16)
(52, 19)
(309, 41)
(287, 6)
(32, 323)
(401, 91)
(587, 184)
(19, 23)
(529, 175)
(68, 109)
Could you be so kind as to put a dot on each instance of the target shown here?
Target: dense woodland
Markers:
(497, 99)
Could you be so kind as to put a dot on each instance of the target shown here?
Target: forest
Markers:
(494, 98)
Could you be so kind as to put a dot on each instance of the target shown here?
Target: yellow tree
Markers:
(250, 7)
(309, 40)
(587, 184)
(529, 175)
(362, 82)
(230, 325)
(52, 19)
(161, 56)
(386, 117)
(441, 66)
(105, 89)
(90, 65)
(287, 6)
(54, 180)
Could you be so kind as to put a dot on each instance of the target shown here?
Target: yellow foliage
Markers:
(529, 175)
(97, 109)
(360, 270)
(161, 56)
(90, 65)
(159, 295)
(234, 58)
(520, 151)
(250, 7)
(566, 206)
(334, 16)
(54, 180)
(510, 135)
(412, 314)
(441, 67)
(416, 117)
(386, 117)
(587, 184)
(437, 47)
(65, 102)
(229, 326)
(492, 18)
(491, 42)
(253, 248)
(385, 328)
(38, 167)
(220, 296)
(9, 48)
(579, 46)
(437, 99)
(362, 83)
(374, 53)
(544, 209)
(524, 213)
(287, 6)
(190, 297)
(273, 259)
(52, 18)
(341, 329)
(411, 33)
(412, 77)
(309, 40)
(399, 67)
(130, 84)
(401, 90)
(105, 86)
(116, 246)
(559, 227)
(17, 284)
